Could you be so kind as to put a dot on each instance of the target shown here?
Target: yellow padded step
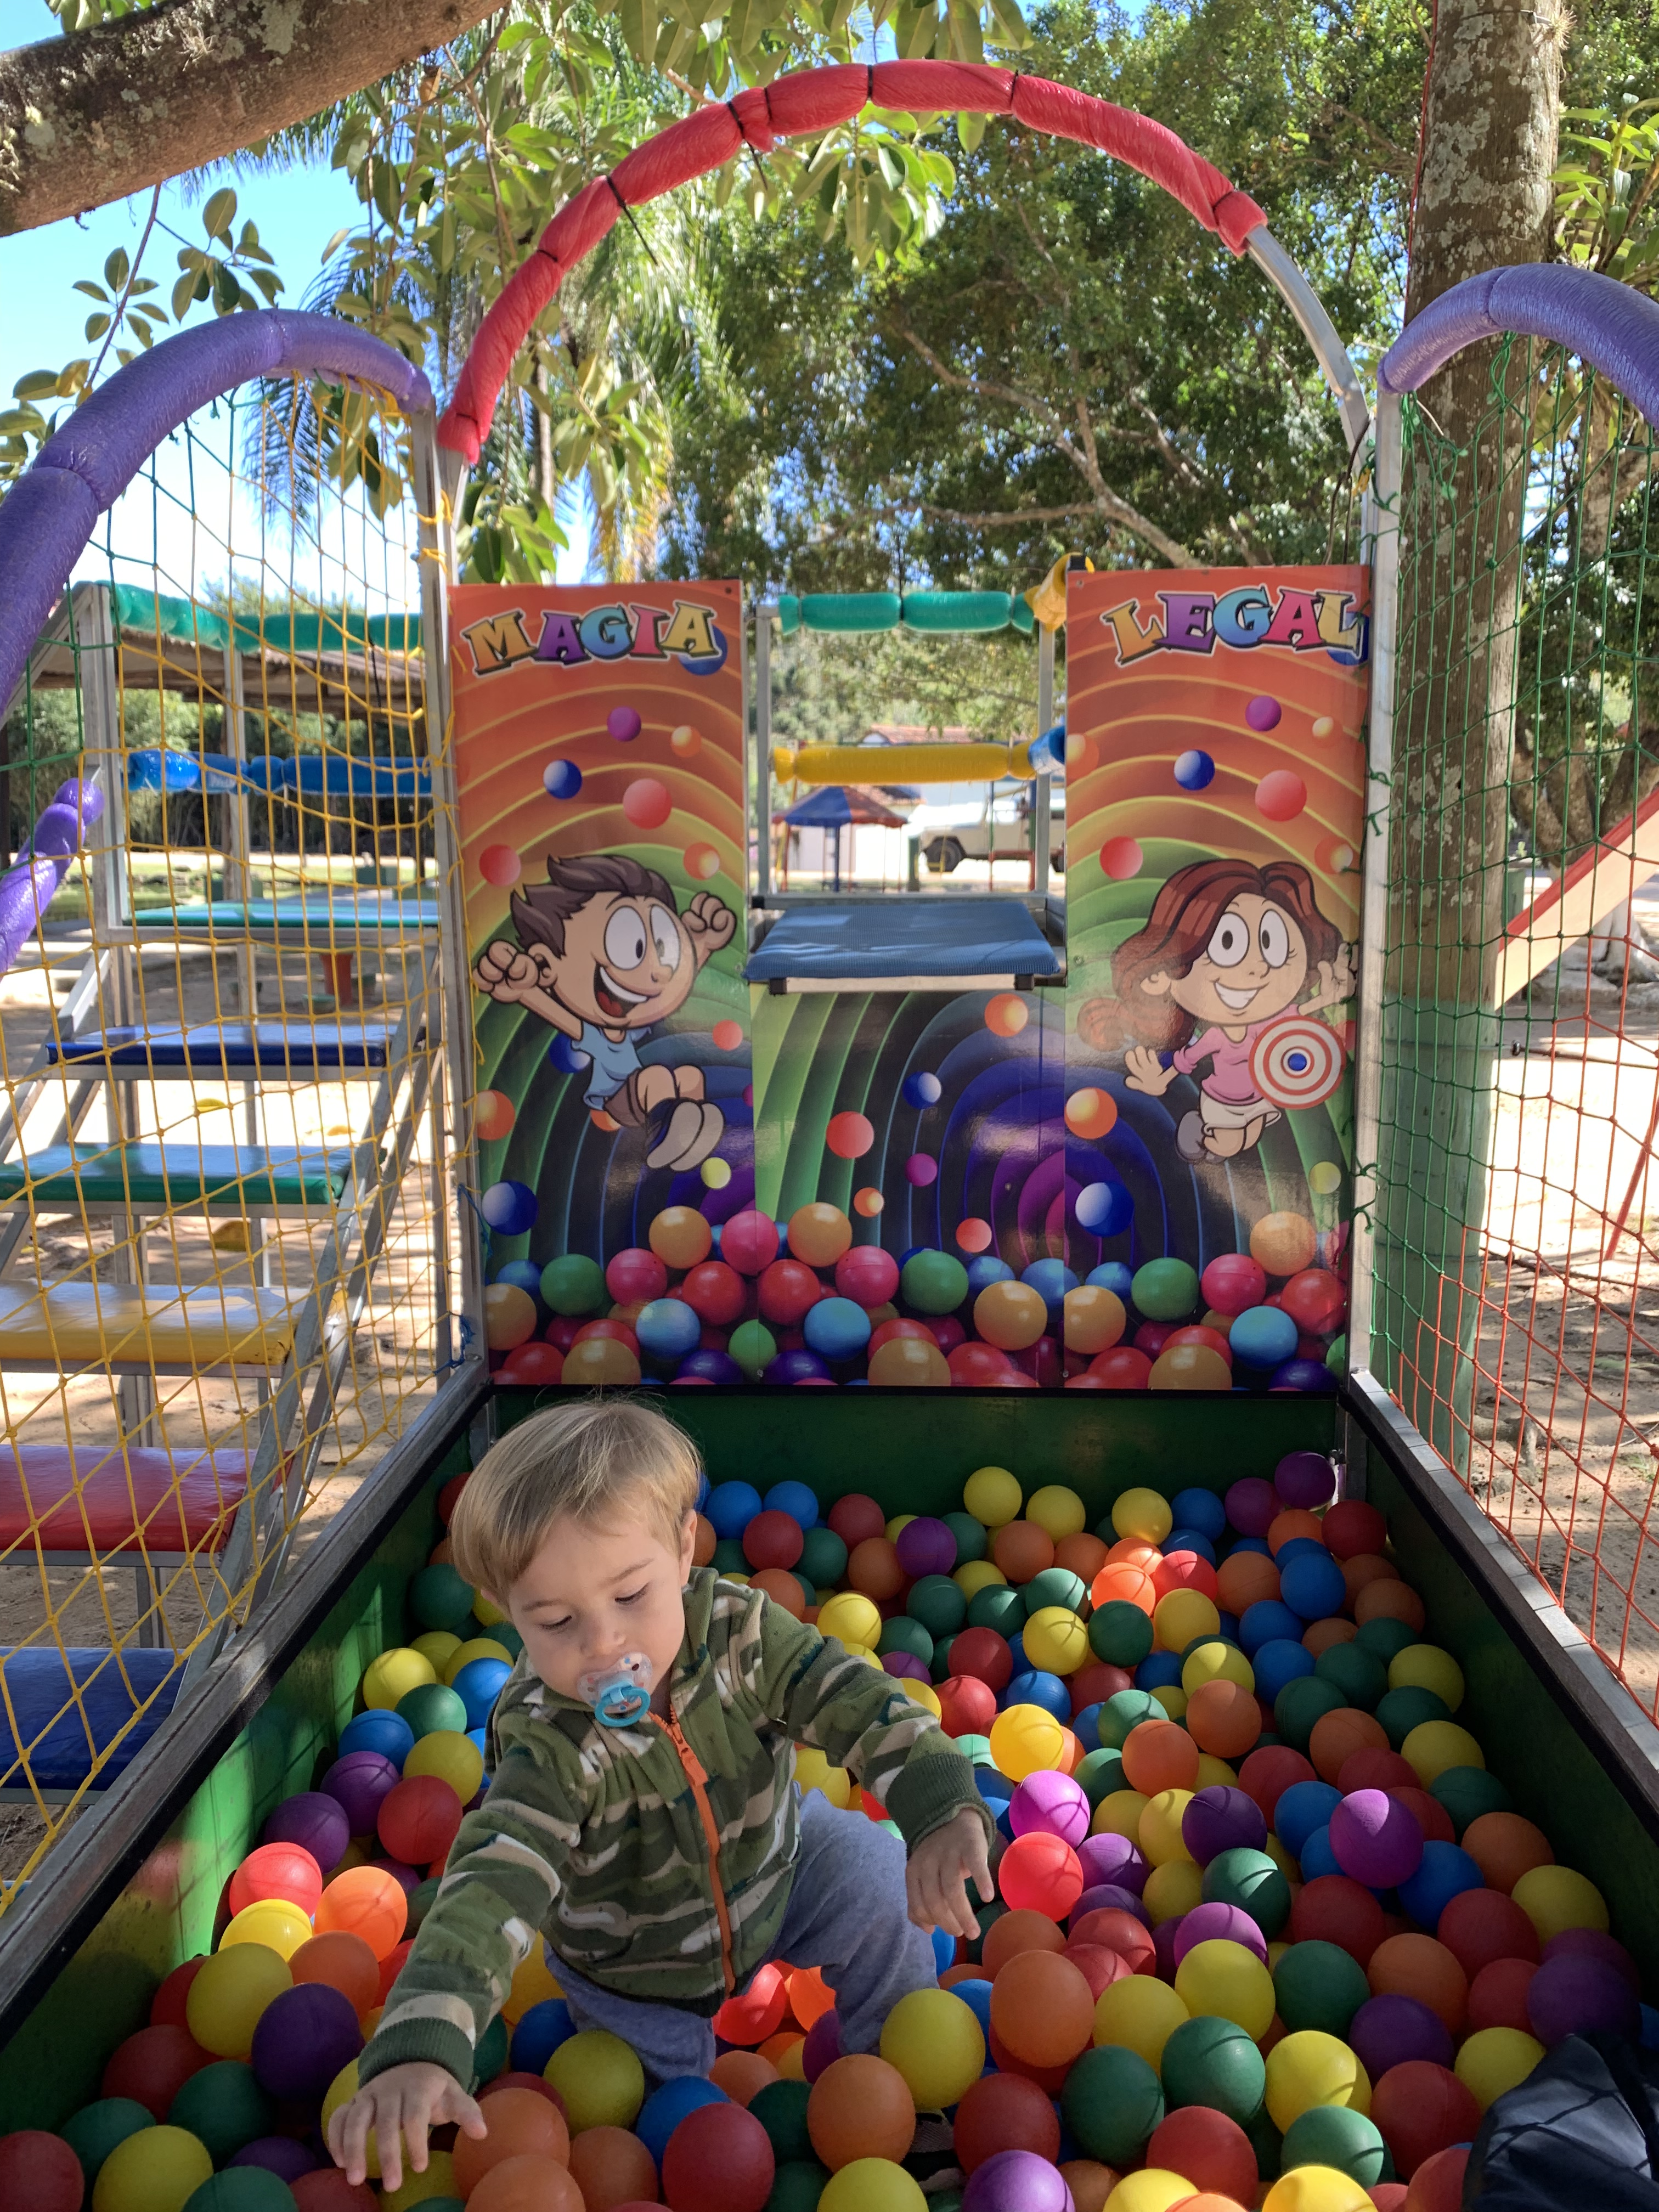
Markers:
(147, 1324)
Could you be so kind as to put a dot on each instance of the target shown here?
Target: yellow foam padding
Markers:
(74, 1324)
(921, 763)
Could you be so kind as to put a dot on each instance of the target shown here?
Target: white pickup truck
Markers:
(958, 822)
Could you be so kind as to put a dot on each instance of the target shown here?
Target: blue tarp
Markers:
(152, 769)
(905, 936)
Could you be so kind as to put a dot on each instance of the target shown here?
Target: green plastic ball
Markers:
(438, 1597)
(1120, 1633)
(1319, 1986)
(1209, 2061)
(1402, 1710)
(1250, 1880)
(985, 1914)
(1111, 2103)
(754, 1347)
(976, 1749)
(92, 2132)
(1164, 1290)
(223, 2106)
(797, 2186)
(999, 1607)
(1266, 2141)
(506, 1635)
(941, 1669)
(573, 1284)
(823, 1556)
(1333, 2134)
(903, 1634)
(972, 1536)
(432, 1709)
(939, 1604)
(808, 1590)
(420, 1902)
(933, 1282)
(780, 2108)
(1359, 1673)
(249, 2189)
(1386, 1638)
(1123, 1711)
(1336, 1360)
(730, 1557)
(1300, 1704)
(1099, 1773)
(1056, 1586)
(489, 2056)
(1467, 1792)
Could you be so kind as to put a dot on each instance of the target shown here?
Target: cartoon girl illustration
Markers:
(1227, 949)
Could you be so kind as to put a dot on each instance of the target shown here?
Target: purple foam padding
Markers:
(28, 890)
(1604, 322)
(46, 517)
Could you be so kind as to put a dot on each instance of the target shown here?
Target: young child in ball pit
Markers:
(641, 1817)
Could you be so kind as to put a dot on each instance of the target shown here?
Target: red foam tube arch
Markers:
(797, 106)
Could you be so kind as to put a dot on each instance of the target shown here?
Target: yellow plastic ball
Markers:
(680, 1237)
(1555, 1898)
(509, 1316)
(1025, 1739)
(1118, 1814)
(899, 1521)
(1435, 1746)
(600, 2078)
(1214, 1773)
(1056, 1509)
(1173, 1698)
(437, 1647)
(819, 1234)
(1311, 2068)
(230, 1991)
(1160, 1835)
(1182, 1618)
(814, 1771)
(908, 1363)
(1143, 1513)
(1317, 2189)
(438, 2180)
(486, 1610)
(1140, 2013)
(975, 1575)
(1152, 2189)
(873, 2184)
(1281, 1858)
(479, 1647)
(851, 1616)
(992, 1495)
(1056, 1640)
(936, 2042)
(1426, 1667)
(1190, 1367)
(154, 2170)
(341, 2091)
(599, 1363)
(791, 2062)
(394, 1674)
(1173, 1888)
(1216, 1662)
(1228, 1982)
(452, 1757)
(279, 1927)
(1093, 1319)
(924, 1694)
(1495, 2060)
(532, 1983)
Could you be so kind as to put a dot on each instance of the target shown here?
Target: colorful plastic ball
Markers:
(1049, 1804)
(1496, 2060)
(1138, 2014)
(1281, 795)
(933, 1282)
(1375, 1839)
(936, 2041)
(1312, 1586)
(364, 1901)
(861, 2106)
(1056, 1640)
(1390, 2029)
(909, 1363)
(600, 2079)
(666, 2106)
(1023, 1738)
(1221, 1819)
(573, 1284)
(314, 1820)
(1445, 1873)
(1251, 1880)
(1039, 1872)
(281, 1871)
(1338, 2138)
(41, 2171)
(509, 1208)
(1502, 1845)
(1262, 1336)
(1310, 2069)
(1214, 2061)
(154, 2170)
(1574, 1995)
(230, 1993)
(866, 2185)
(1010, 1315)
(1416, 1965)
(449, 1756)
(92, 2134)
(1223, 1718)
(1421, 2109)
(1227, 1980)
(1113, 2100)
(478, 1685)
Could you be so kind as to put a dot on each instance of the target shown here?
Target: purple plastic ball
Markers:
(1219, 1924)
(906, 1666)
(1593, 1943)
(624, 725)
(801, 1366)
(1305, 1480)
(920, 1169)
(1017, 2181)
(1387, 2031)
(277, 2154)
(359, 1784)
(1163, 1941)
(1574, 1995)
(1252, 1506)
(408, 1878)
(1375, 1839)
(1111, 1859)
(317, 1821)
(1052, 1804)
(708, 1366)
(823, 2045)
(926, 1546)
(1111, 1897)
(1310, 1377)
(1263, 713)
(1222, 1819)
(303, 2038)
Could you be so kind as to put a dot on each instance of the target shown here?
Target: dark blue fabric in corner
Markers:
(1581, 2131)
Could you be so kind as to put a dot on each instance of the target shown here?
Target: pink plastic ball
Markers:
(867, 1275)
(624, 724)
(1050, 1804)
(1375, 1839)
(636, 1275)
(748, 1242)
(1233, 1283)
(920, 1170)
(645, 803)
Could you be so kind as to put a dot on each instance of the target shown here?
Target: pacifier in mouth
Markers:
(619, 1694)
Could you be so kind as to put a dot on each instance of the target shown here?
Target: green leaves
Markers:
(1605, 187)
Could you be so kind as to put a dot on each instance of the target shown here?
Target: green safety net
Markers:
(1516, 1233)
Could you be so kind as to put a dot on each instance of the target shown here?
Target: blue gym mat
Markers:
(262, 1047)
(905, 936)
(111, 1685)
(347, 909)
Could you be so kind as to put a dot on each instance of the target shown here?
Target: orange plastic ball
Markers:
(1090, 2183)
(1244, 1579)
(600, 1363)
(529, 2182)
(1224, 1718)
(1015, 1932)
(810, 1995)
(1418, 1966)
(1042, 2008)
(1336, 1737)
(1284, 1243)
(345, 1963)
(1081, 1555)
(680, 1237)
(1010, 1315)
(1366, 1567)
(1502, 1845)
(703, 1550)
(1390, 1601)
(873, 1568)
(611, 2166)
(522, 2125)
(1007, 1014)
(1090, 1113)
(860, 2107)
(1291, 1523)
(1322, 1635)
(782, 1588)
(908, 1363)
(1094, 1319)
(741, 2073)
(1135, 1552)
(366, 1901)
(1158, 1755)
(819, 1234)
(1190, 1367)
(1132, 1584)
(1021, 1549)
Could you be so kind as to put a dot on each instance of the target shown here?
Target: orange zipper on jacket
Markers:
(699, 1781)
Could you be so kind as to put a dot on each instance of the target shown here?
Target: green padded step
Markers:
(237, 1178)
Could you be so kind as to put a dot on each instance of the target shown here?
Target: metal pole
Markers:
(1042, 800)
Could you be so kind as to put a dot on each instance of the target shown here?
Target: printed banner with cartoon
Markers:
(599, 767)
(1215, 780)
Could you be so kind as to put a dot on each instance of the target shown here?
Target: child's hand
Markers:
(936, 1879)
(406, 2101)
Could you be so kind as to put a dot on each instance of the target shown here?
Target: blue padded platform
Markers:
(291, 1047)
(76, 1711)
(905, 936)
(344, 911)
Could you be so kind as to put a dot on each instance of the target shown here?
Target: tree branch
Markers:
(89, 118)
(1004, 517)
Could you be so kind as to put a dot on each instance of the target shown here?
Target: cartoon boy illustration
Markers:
(1227, 949)
(603, 955)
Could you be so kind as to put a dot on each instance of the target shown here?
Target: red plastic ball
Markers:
(983, 1654)
(1004, 2111)
(153, 2066)
(748, 1242)
(282, 1870)
(757, 2012)
(1122, 1368)
(41, 2171)
(1437, 2184)
(1212, 2152)
(1184, 1571)
(327, 2190)
(873, 1569)
(1419, 2108)
(1353, 1527)
(1331, 1909)
(1369, 1768)
(1481, 1925)
(1267, 1774)
(1109, 1926)
(1040, 1872)
(716, 1293)
(788, 1291)
(418, 1820)
(1498, 1995)
(1093, 1684)
(719, 2158)
(856, 1516)
(867, 1275)
(967, 1707)
(536, 1365)
(773, 1539)
(1315, 1300)
(976, 1366)
(636, 1274)
(167, 2006)
(1230, 1284)
(1050, 2079)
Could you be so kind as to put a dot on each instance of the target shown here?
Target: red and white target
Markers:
(1296, 1063)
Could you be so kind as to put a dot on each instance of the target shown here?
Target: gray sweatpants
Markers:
(845, 1915)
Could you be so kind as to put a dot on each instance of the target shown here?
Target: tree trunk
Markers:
(1484, 202)
(89, 118)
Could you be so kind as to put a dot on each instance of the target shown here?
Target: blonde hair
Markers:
(593, 1460)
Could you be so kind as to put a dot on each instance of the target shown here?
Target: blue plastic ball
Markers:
(1112, 1275)
(944, 1950)
(1262, 1336)
(1267, 1621)
(1104, 1209)
(796, 1367)
(732, 1506)
(985, 1270)
(1316, 1856)
(1017, 1653)
(976, 1995)
(665, 2108)
(1159, 1670)
(708, 1365)
(380, 1730)
(795, 1499)
(922, 1090)
(1086, 1727)
(539, 2033)
(1050, 1279)
(477, 1686)
(1199, 1509)
(561, 779)
(1309, 1376)
(524, 1275)
(562, 1056)
(835, 1329)
(1257, 1544)
(510, 1208)
(1034, 1687)
(1445, 1872)
(1189, 1539)
(1313, 1587)
(1299, 1548)
(1278, 1662)
(1194, 770)
(1302, 1809)
(667, 1328)
(994, 1787)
